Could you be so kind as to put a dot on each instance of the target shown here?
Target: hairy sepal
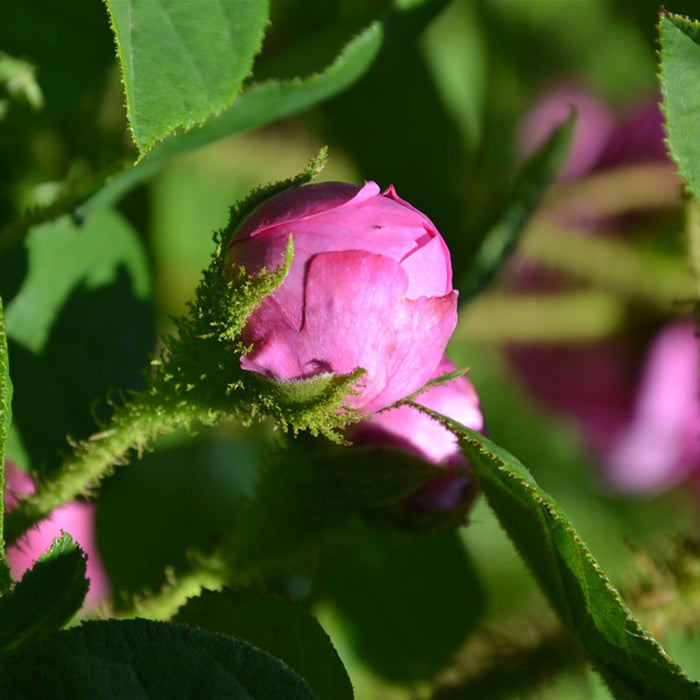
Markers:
(202, 363)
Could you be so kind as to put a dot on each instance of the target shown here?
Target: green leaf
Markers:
(259, 104)
(5, 421)
(139, 660)
(534, 178)
(183, 61)
(105, 243)
(79, 327)
(156, 537)
(680, 84)
(629, 659)
(406, 604)
(47, 597)
(281, 628)
(100, 343)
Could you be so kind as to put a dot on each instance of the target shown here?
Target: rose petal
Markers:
(399, 341)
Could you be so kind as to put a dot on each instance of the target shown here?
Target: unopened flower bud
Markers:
(370, 287)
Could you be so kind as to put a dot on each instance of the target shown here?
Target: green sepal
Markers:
(240, 211)
(319, 404)
(298, 391)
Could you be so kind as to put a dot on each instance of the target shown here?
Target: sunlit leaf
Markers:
(680, 83)
(5, 421)
(183, 61)
(630, 660)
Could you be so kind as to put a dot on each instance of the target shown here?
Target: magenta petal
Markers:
(429, 270)
(290, 206)
(269, 331)
(356, 315)
(411, 430)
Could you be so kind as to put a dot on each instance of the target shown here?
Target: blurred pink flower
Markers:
(660, 447)
(406, 428)
(637, 407)
(595, 124)
(76, 518)
(601, 139)
(370, 286)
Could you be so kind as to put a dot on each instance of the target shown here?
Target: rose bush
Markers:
(370, 286)
(408, 429)
(77, 519)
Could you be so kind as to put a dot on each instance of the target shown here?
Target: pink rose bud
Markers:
(408, 429)
(77, 519)
(370, 286)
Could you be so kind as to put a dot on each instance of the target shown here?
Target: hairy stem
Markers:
(134, 426)
(164, 604)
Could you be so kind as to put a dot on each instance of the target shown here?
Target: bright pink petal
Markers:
(298, 203)
(356, 315)
(408, 429)
(77, 519)
(429, 270)
(365, 221)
